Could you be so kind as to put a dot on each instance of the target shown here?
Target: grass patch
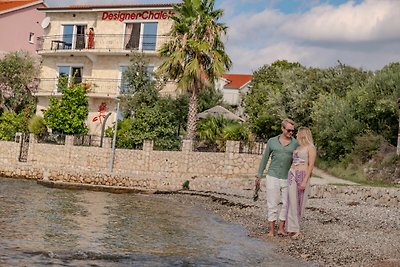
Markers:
(352, 173)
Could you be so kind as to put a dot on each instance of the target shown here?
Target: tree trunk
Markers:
(398, 140)
(192, 117)
(398, 132)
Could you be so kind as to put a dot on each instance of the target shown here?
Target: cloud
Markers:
(369, 21)
(255, 29)
(249, 60)
(364, 34)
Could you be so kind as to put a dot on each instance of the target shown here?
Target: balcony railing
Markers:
(101, 42)
(94, 87)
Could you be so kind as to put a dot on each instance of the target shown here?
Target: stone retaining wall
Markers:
(238, 186)
(230, 172)
(126, 161)
(377, 195)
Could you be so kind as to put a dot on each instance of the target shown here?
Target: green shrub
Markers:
(335, 127)
(36, 126)
(68, 114)
(10, 124)
(149, 123)
(237, 132)
(365, 147)
(185, 185)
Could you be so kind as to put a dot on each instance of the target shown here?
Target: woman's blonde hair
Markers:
(304, 136)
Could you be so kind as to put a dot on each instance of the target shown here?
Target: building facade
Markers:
(233, 86)
(92, 45)
(20, 25)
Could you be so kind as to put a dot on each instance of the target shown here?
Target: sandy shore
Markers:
(336, 232)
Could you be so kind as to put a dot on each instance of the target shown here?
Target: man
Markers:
(280, 148)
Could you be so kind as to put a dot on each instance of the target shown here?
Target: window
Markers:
(124, 86)
(31, 37)
(73, 36)
(70, 73)
(141, 36)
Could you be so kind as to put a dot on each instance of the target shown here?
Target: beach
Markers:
(335, 232)
(345, 224)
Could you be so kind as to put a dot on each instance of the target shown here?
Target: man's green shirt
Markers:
(281, 158)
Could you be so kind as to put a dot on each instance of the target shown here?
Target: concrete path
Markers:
(321, 177)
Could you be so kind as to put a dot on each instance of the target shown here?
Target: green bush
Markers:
(237, 132)
(210, 128)
(185, 185)
(335, 127)
(365, 147)
(152, 123)
(10, 124)
(36, 126)
(68, 114)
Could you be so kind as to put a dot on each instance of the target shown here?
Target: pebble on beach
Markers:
(335, 232)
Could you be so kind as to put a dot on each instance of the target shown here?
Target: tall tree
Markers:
(264, 105)
(375, 103)
(195, 54)
(18, 72)
(139, 86)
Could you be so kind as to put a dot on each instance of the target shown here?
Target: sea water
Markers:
(41, 226)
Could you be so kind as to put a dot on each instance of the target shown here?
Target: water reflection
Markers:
(41, 226)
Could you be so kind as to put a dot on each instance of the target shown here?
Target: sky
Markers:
(316, 33)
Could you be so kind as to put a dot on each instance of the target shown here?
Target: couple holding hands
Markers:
(288, 177)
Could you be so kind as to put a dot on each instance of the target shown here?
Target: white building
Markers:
(69, 48)
(233, 86)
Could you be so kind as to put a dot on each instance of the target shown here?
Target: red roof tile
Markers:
(15, 4)
(237, 80)
(106, 6)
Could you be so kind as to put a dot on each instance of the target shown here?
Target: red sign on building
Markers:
(145, 15)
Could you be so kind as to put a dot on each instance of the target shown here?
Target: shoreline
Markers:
(335, 232)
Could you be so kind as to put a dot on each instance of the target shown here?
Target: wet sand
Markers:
(335, 232)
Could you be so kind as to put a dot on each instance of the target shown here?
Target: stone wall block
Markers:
(232, 146)
(164, 170)
(107, 142)
(69, 140)
(147, 149)
(187, 145)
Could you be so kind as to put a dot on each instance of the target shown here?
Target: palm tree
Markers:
(195, 54)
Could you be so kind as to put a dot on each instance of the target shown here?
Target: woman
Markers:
(299, 180)
(91, 38)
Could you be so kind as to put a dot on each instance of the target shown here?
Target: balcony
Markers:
(96, 88)
(102, 43)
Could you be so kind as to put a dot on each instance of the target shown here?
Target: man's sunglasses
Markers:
(290, 130)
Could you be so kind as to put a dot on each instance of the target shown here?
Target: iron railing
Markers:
(51, 138)
(87, 140)
(209, 145)
(95, 86)
(168, 144)
(252, 147)
(161, 144)
(219, 145)
(102, 42)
